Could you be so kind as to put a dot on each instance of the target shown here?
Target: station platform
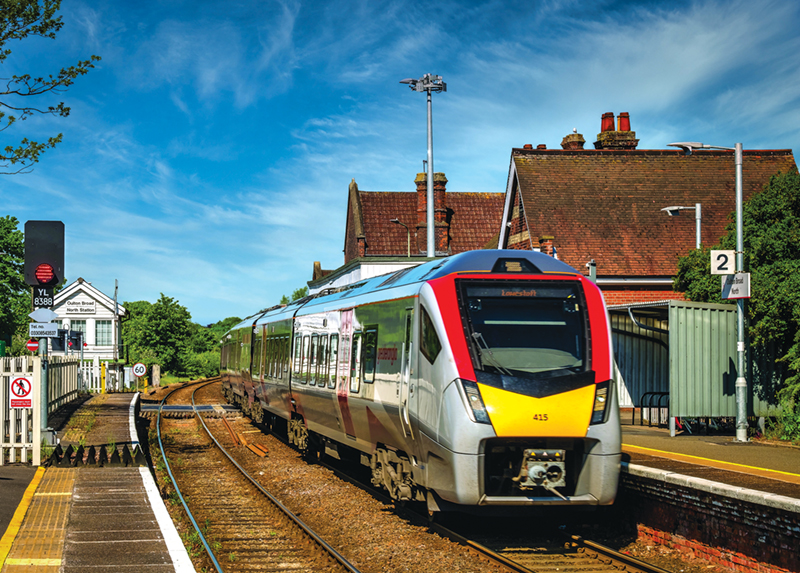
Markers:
(765, 470)
(92, 518)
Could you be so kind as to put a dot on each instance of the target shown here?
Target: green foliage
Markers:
(786, 425)
(14, 293)
(163, 333)
(18, 20)
(771, 228)
(219, 328)
(297, 294)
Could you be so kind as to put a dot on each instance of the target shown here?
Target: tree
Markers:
(163, 333)
(297, 294)
(771, 227)
(14, 293)
(20, 19)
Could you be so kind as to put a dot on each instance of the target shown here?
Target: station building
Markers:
(80, 306)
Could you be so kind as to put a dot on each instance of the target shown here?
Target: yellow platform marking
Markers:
(697, 460)
(38, 546)
(19, 515)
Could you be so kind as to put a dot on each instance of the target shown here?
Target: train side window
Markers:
(333, 360)
(312, 360)
(304, 360)
(370, 354)
(322, 362)
(257, 357)
(298, 353)
(429, 341)
(355, 363)
(285, 355)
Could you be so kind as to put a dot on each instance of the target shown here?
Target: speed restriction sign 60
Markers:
(139, 369)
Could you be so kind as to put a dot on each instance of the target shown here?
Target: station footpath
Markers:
(108, 518)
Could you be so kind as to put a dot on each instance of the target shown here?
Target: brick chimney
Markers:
(441, 242)
(573, 141)
(621, 138)
(546, 244)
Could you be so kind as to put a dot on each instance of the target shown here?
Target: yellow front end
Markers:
(564, 415)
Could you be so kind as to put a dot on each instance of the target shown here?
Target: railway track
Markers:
(241, 526)
(238, 524)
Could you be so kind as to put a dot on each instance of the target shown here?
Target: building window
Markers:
(77, 325)
(102, 333)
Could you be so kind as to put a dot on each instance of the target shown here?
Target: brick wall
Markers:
(733, 533)
(624, 295)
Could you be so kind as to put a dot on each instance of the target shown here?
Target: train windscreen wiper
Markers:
(488, 356)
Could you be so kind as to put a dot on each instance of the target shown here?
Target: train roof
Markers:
(407, 281)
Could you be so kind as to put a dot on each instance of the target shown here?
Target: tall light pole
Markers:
(429, 83)
(674, 211)
(741, 381)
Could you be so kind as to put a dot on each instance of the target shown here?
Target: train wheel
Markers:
(298, 434)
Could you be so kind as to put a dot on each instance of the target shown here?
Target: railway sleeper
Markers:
(393, 471)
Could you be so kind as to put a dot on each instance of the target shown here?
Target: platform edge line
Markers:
(19, 515)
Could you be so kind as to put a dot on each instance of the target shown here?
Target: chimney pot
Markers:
(541, 146)
(624, 121)
(607, 122)
(527, 146)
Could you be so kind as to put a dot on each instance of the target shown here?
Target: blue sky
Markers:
(209, 153)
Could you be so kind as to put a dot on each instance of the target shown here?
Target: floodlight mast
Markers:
(741, 380)
(429, 83)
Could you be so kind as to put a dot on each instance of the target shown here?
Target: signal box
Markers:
(44, 253)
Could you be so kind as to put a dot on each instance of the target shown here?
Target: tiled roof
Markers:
(606, 205)
(474, 219)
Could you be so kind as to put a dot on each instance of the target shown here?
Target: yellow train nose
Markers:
(561, 415)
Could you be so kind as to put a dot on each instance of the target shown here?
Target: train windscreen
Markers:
(525, 328)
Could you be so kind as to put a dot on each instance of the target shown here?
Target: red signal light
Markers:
(44, 274)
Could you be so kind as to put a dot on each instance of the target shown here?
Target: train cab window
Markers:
(369, 352)
(355, 363)
(298, 353)
(312, 360)
(322, 362)
(429, 340)
(333, 360)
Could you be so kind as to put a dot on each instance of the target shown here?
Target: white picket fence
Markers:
(21, 427)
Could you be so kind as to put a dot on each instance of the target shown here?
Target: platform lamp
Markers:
(429, 84)
(741, 381)
(674, 211)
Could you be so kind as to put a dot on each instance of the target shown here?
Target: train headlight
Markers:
(602, 396)
(476, 409)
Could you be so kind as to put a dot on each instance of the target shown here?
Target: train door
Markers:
(406, 382)
(343, 378)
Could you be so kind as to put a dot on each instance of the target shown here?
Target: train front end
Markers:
(533, 416)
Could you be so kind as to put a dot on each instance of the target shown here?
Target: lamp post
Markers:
(741, 381)
(429, 83)
(674, 211)
(408, 234)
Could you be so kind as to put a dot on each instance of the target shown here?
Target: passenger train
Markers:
(483, 379)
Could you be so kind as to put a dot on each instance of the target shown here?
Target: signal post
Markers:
(44, 269)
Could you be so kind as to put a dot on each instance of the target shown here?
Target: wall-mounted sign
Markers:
(80, 307)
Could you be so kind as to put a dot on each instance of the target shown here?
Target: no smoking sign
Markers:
(21, 393)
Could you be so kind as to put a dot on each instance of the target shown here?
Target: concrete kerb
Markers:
(734, 492)
(177, 551)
